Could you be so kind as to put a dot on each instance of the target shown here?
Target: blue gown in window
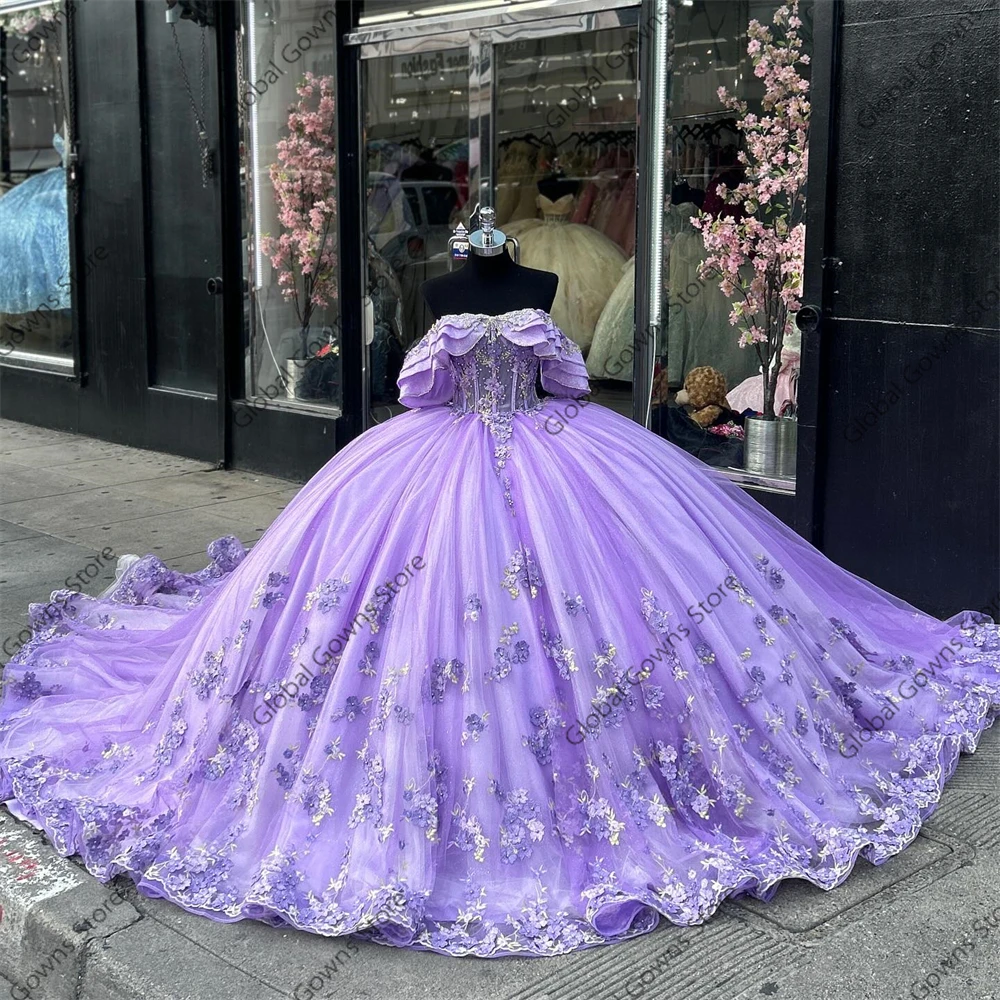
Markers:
(34, 243)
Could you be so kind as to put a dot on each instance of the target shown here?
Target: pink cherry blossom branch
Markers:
(769, 235)
(304, 182)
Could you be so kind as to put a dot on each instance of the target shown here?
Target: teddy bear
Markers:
(705, 392)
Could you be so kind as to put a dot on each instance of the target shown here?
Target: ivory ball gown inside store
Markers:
(493, 683)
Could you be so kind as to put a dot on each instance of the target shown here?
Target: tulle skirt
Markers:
(453, 719)
(588, 264)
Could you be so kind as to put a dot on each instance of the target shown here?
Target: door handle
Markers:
(214, 286)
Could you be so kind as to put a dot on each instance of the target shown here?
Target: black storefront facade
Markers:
(177, 336)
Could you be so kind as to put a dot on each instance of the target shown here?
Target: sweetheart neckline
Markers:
(509, 312)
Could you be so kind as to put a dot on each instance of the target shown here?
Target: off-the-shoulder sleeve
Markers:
(427, 377)
(563, 370)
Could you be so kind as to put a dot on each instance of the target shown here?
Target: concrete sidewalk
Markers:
(889, 932)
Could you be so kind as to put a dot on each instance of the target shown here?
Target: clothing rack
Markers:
(620, 137)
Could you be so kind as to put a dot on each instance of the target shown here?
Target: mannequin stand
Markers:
(490, 285)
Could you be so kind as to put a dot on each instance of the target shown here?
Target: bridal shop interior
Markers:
(151, 153)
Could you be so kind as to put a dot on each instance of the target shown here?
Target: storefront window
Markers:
(710, 42)
(35, 280)
(540, 123)
(289, 115)
(566, 118)
(416, 118)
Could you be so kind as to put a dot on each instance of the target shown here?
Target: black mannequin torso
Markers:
(490, 285)
(557, 186)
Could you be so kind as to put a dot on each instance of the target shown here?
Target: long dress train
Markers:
(507, 676)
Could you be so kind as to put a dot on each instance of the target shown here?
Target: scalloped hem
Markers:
(601, 912)
(616, 918)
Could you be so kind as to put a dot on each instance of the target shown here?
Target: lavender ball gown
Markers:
(506, 677)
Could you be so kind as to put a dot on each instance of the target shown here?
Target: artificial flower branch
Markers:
(304, 183)
(769, 232)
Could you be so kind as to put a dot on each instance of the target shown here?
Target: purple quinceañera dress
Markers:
(507, 676)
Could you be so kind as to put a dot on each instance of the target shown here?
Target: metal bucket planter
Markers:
(788, 437)
(769, 446)
(309, 341)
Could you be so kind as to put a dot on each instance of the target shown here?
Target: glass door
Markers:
(563, 177)
(704, 328)
(36, 188)
(534, 116)
(415, 106)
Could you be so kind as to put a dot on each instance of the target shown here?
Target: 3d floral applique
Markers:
(328, 595)
(210, 676)
(421, 809)
(521, 571)
(765, 637)
(521, 826)
(468, 834)
(475, 726)
(369, 657)
(558, 652)
(604, 658)
(656, 617)
(440, 674)
(316, 797)
(705, 653)
(508, 653)
(545, 722)
(273, 593)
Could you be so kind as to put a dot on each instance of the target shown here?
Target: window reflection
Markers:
(566, 185)
(709, 42)
(416, 117)
(35, 281)
(289, 111)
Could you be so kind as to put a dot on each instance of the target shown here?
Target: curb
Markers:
(50, 911)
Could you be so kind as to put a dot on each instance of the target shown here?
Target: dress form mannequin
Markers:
(492, 285)
(556, 186)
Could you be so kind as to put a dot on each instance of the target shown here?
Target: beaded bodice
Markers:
(556, 213)
(487, 366)
(496, 376)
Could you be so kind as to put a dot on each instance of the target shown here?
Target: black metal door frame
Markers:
(820, 267)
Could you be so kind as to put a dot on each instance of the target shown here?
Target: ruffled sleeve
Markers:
(427, 377)
(563, 370)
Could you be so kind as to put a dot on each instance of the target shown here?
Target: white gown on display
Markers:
(614, 337)
(587, 262)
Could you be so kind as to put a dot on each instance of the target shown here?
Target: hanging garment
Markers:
(685, 314)
(611, 352)
(749, 394)
(602, 214)
(587, 262)
(499, 680)
(698, 329)
(621, 227)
